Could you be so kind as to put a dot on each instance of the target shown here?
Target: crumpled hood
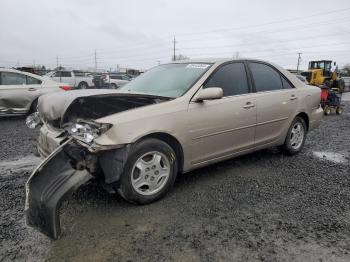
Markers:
(62, 107)
(52, 106)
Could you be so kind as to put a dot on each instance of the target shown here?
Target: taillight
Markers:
(66, 88)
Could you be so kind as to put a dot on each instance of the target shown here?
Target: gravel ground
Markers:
(261, 207)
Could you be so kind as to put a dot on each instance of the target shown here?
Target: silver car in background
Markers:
(19, 91)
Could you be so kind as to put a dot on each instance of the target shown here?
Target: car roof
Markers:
(217, 60)
(20, 72)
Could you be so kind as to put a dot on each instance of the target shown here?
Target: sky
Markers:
(140, 34)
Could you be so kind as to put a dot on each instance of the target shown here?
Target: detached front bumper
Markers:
(50, 183)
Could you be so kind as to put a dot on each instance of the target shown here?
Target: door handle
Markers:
(31, 89)
(248, 105)
(293, 97)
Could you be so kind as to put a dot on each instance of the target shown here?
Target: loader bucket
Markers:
(50, 183)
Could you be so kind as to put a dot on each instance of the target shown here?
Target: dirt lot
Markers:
(261, 207)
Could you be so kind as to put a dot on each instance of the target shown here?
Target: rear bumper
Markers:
(315, 118)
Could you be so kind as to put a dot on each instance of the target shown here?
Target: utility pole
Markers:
(174, 42)
(95, 61)
(299, 59)
(57, 62)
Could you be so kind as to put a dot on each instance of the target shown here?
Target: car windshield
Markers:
(170, 80)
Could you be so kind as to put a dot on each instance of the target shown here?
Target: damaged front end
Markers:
(67, 136)
(53, 180)
(68, 167)
(60, 174)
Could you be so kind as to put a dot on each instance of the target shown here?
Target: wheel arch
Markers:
(32, 104)
(83, 82)
(173, 142)
(304, 116)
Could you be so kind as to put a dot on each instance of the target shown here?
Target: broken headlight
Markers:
(87, 131)
(33, 120)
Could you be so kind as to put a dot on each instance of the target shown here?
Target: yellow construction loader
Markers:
(320, 73)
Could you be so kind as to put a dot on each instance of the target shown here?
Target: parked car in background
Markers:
(347, 83)
(123, 76)
(116, 80)
(172, 119)
(110, 80)
(302, 78)
(76, 79)
(19, 91)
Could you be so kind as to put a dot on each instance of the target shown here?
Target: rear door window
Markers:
(232, 78)
(33, 81)
(265, 77)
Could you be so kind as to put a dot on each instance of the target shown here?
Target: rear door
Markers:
(17, 92)
(64, 77)
(276, 101)
(221, 127)
(68, 78)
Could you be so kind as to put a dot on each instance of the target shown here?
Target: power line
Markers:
(273, 22)
(237, 28)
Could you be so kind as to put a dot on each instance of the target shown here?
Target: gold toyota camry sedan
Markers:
(172, 119)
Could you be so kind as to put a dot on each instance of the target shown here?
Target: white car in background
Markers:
(116, 80)
(19, 91)
(76, 79)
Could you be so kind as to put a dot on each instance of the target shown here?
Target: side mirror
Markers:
(210, 93)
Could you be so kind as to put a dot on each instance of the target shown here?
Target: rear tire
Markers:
(296, 137)
(339, 110)
(114, 86)
(83, 85)
(149, 173)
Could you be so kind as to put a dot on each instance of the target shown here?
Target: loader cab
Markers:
(324, 65)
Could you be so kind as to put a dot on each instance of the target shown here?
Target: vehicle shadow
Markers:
(97, 196)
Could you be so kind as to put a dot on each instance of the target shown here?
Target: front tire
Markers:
(327, 110)
(149, 173)
(296, 137)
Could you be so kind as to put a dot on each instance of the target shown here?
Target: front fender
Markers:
(50, 183)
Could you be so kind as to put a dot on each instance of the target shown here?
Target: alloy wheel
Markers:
(297, 135)
(150, 173)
